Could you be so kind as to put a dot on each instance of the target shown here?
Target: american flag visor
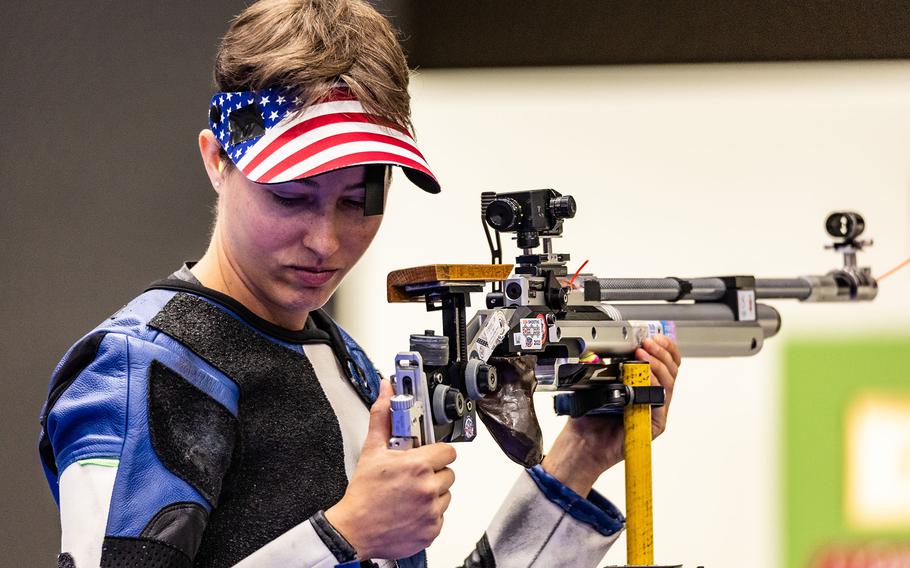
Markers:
(271, 141)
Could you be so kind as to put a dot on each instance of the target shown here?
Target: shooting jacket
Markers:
(230, 436)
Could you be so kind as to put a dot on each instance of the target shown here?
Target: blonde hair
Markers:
(309, 46)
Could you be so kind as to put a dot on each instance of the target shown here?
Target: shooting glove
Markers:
(509, 412)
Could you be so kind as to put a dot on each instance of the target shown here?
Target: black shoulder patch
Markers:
(192, 433)
(65, 560)
(289, 461)
(124, 552)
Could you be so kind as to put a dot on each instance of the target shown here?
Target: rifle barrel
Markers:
(702, 289)
(767, 317)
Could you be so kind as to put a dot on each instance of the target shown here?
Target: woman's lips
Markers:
(312, 276)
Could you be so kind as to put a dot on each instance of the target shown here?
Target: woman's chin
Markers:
(307, 299)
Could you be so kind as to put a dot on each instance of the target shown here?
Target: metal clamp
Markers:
(412, 425)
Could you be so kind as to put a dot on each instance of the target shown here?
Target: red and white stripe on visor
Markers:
(327, 136)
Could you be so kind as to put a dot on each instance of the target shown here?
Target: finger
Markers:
(654, 348)
(380, 428)
(445, 478)
(673, 348)
(438, 455)
(660, 375)
(443, 502)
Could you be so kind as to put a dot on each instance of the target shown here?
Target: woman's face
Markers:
(292, 243)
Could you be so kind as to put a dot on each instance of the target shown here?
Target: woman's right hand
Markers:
(394, 503)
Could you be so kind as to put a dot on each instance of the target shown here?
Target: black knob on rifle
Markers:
(557, 298)
(480, 379)
(448, 405)
(495, 300)
(454, 404)
(503, 214)
(563, 207)
(487, 379)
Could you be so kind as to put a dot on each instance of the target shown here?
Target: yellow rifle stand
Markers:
(637, 455)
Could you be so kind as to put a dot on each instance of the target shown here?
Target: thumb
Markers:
(380, 428)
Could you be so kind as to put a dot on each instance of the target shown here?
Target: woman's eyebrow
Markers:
(309, 183)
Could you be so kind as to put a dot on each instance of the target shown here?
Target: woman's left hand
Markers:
(590, 445)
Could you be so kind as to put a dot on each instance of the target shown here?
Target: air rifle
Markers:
(578, 333)
(543, 330)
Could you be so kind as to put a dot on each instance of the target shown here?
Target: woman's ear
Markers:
(210, 150)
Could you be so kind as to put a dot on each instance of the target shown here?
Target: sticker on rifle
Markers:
(543, 318)
(746, 301)
(468, 428)
(532, 331)
(492, 332)
(669, 328)
(642, 330)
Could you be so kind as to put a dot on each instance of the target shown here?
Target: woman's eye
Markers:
(287, 201)
(354, 203)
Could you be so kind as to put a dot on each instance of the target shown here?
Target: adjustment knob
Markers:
(433, 349)
(495, 300)
(480, 379)
(402, 402)
(487, 379)
(503, 214)
(563, 207)
(448, 405)
(454, 404)
(401, 416)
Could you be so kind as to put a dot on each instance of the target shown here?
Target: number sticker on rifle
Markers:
(746, 301)
(532, 331)
(642, 330)
(494, 329)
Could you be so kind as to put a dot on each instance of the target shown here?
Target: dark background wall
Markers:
(100, 181)
(101, 191)
(442, 33)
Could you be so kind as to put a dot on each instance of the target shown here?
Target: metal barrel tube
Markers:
(618, 289)
(782, 288)
(768, 318)
(643, 289)
(702, 289)
(695, 338)
(718, 339)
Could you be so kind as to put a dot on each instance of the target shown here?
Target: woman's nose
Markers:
(321, 236)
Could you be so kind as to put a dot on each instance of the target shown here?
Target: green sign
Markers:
(846, 453)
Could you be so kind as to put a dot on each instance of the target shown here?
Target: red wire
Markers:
(893, 270)
(577, 272)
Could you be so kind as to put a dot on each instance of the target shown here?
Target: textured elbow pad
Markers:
(65, 560)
